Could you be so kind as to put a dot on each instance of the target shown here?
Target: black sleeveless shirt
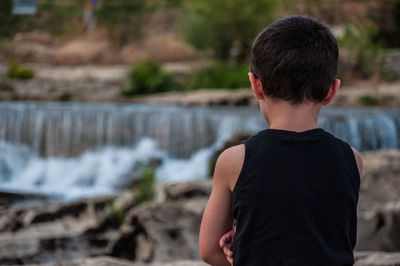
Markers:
(295, 200)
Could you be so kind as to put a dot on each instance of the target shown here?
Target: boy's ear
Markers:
(256, 86)
(332, 92)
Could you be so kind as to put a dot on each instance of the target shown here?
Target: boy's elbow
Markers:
(205, 258)
(207, 255)
(208, 258)
(213, 257)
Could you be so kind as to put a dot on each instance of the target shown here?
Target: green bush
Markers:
(220, 75)
(387, 19)
(66, 96)
(124, 17)
(5, 86)
(145, 190)
(226, 27)
(369, 52)
(7, 21)
(369, 100)
(17, 71)
(58, 17)
(149, 77)
(116, 215)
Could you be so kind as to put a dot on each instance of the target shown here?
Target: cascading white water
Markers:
(74, 150)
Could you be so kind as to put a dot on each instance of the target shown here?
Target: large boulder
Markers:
(53, 232)
(379, 208)
(380, 183)
(376, 258)
(380, 230)
(110, 261)
(188, 190)
(162, 232)
(107, 226)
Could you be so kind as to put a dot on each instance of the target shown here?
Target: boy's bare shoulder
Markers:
(229, 164)
(358, 161)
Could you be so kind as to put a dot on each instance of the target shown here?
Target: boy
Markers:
(293, 188)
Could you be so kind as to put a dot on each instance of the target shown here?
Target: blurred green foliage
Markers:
(226, 27)
(149, 77)
(369, 100)
(56, 17)
(116, 215)
(145, 189)
(126, 18)
(7, 20)
(6, 86)
(66, 96)
(123, 17)
(220, 75)
(17, 71)
(387, 20)
(156, 4)
(369, 53)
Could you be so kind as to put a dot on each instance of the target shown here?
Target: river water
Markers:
(75, 150)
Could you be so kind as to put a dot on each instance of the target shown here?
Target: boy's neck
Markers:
(286, 116)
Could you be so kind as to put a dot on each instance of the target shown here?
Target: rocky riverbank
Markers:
(94, 83)
(115, 230)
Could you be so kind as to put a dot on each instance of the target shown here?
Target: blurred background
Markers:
(113, 113)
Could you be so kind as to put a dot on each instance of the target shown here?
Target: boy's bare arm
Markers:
(217, 218)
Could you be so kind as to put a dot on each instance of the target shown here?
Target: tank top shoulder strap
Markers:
(250, 150)
(350, 158)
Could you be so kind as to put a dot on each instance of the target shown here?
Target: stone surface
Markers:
(379, 207)
(111, 226)
(380, 229)
(162, 228)
(365, 258)
(97, 83)
(204, 97)
(51, 232)
(109, 261)
(393, 63)
(374, 258)
(381, 179)
(187, 190)
(165, 231)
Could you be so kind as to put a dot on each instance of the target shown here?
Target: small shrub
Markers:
(124, 18)
(5, 86)
(17, 71)
(220, 75)
(225, 27)
(369, 52)
(66, 96)
(116, 215)
(145, 190)
(369, 100)
(149, 77)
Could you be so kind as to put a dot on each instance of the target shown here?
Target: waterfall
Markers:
(75, 150)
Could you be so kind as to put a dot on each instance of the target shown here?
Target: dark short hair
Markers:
(295, 58)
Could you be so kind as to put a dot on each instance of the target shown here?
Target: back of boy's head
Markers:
(295, 59)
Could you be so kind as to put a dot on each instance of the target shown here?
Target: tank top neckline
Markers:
(301, 134)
